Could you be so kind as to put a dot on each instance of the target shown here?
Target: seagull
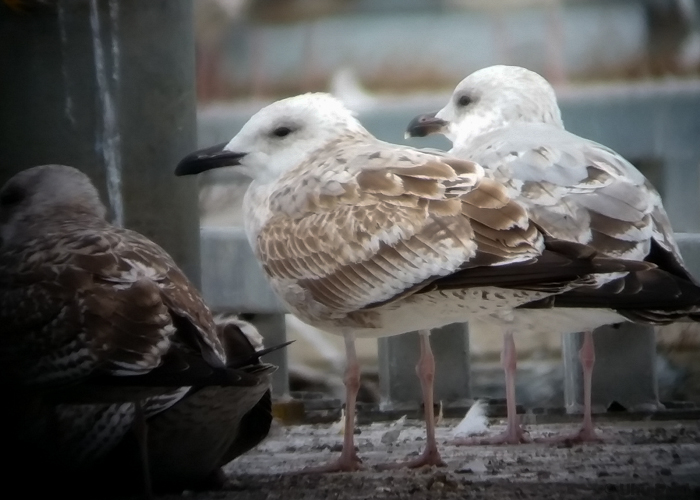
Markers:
(100, 331)
(211, 425)
(507, 119)
(364, 238)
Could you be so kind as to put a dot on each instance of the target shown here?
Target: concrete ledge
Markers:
(232, 280)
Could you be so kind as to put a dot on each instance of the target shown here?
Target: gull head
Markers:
(34, 194)
(488, 99)
(278, 138)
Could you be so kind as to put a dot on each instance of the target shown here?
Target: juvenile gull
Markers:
(99, 332)
(364, 238)
(507, 119)
(212, 425)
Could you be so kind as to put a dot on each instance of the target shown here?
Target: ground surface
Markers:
(637, 460)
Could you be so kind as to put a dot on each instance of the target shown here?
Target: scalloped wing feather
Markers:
(398, 219)
(95, 298)
(576, 190)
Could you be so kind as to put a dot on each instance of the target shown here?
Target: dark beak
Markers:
(426, 124)
(206, 159)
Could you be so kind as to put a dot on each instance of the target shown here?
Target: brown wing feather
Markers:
(96, 299)
(399, 220)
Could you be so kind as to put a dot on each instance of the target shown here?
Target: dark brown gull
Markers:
(211, 425)
(101, 333)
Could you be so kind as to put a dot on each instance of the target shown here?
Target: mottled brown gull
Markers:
(97, 321)
(212, 425)
(364, 238)
(507, 119)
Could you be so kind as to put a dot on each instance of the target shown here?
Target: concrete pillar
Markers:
(107, 86)
(624, 371)
(398, 356)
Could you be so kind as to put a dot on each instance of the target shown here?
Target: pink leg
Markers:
(513, 434)
(348, 460)
(587, 433)
(425, 369)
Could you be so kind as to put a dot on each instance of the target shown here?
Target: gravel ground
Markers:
(637, 460)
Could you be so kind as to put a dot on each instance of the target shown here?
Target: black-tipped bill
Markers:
(426, 124)
(207, 159)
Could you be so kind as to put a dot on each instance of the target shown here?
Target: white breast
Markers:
(427, 311)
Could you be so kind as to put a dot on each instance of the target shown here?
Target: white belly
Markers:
(426, 311)
(493, 308)
(547, 321)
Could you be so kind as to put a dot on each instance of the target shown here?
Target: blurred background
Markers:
(274, 48)
(626, 72)
(108, 86)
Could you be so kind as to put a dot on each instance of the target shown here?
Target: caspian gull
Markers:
(96, 321)
(507, 119)
(364, 238)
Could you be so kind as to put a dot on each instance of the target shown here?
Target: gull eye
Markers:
(282, 131)
(464, 100)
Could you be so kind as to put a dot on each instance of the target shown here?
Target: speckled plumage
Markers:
(210, 426)
(80, 297)
(365, 238)
(507, 119)
(95, 319)
(363, 234)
